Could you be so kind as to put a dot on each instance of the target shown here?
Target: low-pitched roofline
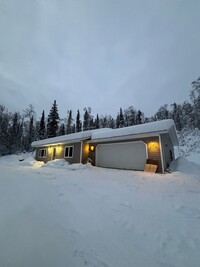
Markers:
(68, 138)
(136, 131)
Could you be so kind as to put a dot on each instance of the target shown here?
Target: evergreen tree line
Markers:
(18, 131)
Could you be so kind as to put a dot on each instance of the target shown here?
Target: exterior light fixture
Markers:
(91, 148)
(50, 149)
(59, 148)
(153, 145)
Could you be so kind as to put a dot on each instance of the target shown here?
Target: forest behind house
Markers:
(19, 130)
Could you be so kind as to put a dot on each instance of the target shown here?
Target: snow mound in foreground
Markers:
(183, 165)
(29, 161)
(57, 163)
(194, 157)
(62, 163)
(77, 166)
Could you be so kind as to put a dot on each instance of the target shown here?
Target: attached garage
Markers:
(128, 155)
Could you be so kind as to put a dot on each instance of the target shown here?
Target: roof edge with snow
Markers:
(136, 131)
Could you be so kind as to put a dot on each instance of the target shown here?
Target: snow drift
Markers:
(185, 166)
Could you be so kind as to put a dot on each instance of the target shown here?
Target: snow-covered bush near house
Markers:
(54, 216)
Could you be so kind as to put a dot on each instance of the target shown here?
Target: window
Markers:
(69, 152)
(42, 153)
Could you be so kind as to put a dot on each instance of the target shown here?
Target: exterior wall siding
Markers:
(59, 153)
(155, 153)
(168, 150)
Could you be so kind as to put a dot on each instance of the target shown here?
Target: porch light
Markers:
(59, 148)
(50, 149)
(153, 145)
(91, 148)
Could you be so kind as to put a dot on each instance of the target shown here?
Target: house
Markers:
(123, 148)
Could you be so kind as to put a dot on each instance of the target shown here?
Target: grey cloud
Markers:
(104, 54)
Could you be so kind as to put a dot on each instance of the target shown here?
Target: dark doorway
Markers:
(54, 153)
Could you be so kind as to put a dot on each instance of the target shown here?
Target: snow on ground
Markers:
(74, 215)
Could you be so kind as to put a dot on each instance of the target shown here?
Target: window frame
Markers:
(40, 153)
(68, 156)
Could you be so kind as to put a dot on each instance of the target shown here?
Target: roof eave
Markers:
(56, 143)
(127, 137)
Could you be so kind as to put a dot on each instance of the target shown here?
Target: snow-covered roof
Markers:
(141, 130)
(146, 129)
(68, 138)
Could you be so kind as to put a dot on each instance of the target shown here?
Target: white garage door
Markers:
(130, 155)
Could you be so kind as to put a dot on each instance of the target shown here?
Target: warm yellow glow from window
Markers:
(92, 148)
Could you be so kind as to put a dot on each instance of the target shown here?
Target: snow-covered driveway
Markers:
(57, 216)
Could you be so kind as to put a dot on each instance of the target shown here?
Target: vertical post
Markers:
(161, 154)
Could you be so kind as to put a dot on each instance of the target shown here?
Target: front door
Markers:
(54, 153)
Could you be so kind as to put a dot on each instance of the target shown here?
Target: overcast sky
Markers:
(105, 54)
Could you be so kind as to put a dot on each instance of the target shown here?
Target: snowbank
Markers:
(28, 159)
(57, 163)
(77, 166)
(62, 163)
(194, 157)
(183, 165)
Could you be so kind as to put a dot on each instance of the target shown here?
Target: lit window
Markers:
(69, 151)
(42, 153)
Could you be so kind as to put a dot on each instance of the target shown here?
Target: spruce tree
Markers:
(86, 120)
(176, 116)
(188, 117)
(121, 119)
(195, 97)
(42, 128)
(110, 122)
(69, 125)
(132, 116)
(103, 122)
(62, 129)
(139, 117)
(162, 113)
(117, 123)
(96, 122)
(91, 123)
(53, 120)
(78, 122)
(4, 128)
(73, 128)
(14, 134)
